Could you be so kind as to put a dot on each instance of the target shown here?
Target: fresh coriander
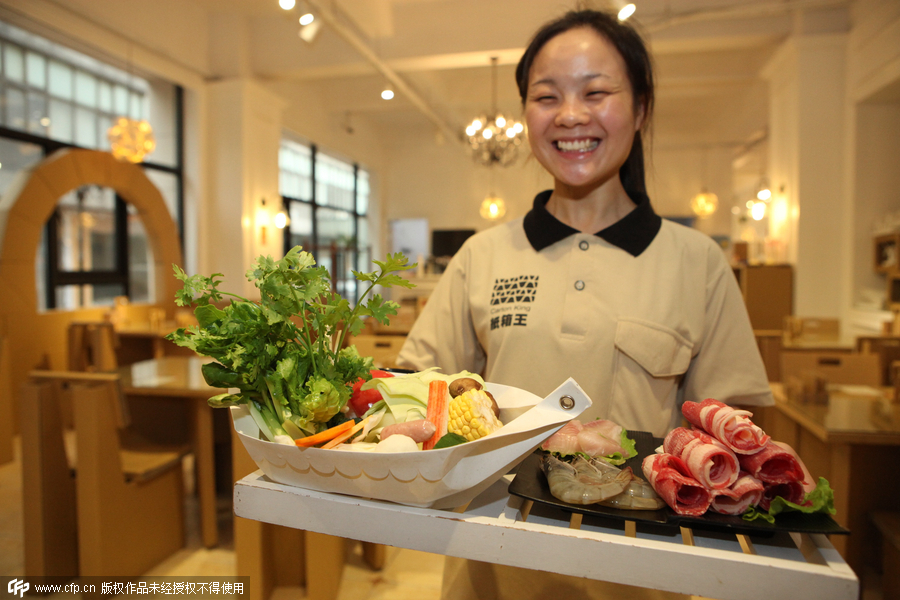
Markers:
(285, 353)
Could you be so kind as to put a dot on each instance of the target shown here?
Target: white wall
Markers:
(355, 139)
(873, 119)
(808, 141)
(877, 183)
(244, 134)
(441, 182)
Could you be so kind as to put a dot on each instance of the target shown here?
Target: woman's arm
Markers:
(728, 366)
(443, 334)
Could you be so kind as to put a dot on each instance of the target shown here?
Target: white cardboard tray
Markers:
(493, 528)
(437, 478)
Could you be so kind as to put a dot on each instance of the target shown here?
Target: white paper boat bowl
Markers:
(444, 478)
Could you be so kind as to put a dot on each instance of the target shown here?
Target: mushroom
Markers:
(462, 385)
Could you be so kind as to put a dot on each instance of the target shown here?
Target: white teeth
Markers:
(577, 146)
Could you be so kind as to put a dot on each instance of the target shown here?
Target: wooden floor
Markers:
(408, 575)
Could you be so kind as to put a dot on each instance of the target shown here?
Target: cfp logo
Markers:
(17, 587)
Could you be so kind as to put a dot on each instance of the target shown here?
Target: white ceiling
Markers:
(708, 53)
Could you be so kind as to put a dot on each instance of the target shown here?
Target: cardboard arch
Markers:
(34, 337)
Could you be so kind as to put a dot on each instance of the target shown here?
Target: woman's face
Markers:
(579, 109)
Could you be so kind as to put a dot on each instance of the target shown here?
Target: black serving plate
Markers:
(531, 484)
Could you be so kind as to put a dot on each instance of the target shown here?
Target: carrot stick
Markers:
(347, 434)
(438, 411)
(324, 436)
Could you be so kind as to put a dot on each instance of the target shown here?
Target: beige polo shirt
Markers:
(643, 315)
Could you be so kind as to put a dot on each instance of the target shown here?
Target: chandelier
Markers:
(492, 208)
(494, 139)
(131, 139)
(704, 204)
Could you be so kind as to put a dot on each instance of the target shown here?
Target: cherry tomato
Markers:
(361, 400)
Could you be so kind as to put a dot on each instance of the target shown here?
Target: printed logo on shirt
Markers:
(507, 294)
(515, 290)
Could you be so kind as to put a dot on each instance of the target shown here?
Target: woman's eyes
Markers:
(548, 97)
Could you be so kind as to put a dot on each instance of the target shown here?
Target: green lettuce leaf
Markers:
(820, 500)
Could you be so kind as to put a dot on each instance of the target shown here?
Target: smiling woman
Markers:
(591, 284)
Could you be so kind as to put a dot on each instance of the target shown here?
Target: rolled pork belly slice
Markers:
(708, 460)
(747, 491)
(671, 480)
(727, 424)
(791, 491)
(773, 464)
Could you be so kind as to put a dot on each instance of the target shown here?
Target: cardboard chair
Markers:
(887, 347)
(92, 346)
(128, 501)
(832, 367)
(384, 349)
(130, 519)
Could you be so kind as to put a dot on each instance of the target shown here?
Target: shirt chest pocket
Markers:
(661, 351)
(649, 364)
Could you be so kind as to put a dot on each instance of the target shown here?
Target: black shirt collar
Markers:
(633, 233)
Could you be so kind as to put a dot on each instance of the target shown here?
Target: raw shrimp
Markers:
(638, 495)
(582, 481)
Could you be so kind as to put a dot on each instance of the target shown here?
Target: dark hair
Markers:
(638, 65)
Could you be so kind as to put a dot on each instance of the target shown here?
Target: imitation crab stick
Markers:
(324, 436)
(437, 411)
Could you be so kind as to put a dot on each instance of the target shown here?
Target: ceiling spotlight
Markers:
(626, 11)
(287, 4)
(309, 29)
(387, 93)
(758, 211)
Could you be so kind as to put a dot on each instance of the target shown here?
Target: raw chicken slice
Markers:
(708, 460)
(601, 438)
(670, 479)
(565, 440)
(730, 426)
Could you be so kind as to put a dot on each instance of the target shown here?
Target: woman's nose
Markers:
(572, 113)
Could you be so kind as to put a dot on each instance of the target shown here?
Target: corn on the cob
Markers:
(471, 415)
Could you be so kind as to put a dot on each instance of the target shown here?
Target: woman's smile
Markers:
(579, 146)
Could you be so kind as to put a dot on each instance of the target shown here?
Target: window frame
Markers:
(313, 202)
(135, 107)
(55, 276)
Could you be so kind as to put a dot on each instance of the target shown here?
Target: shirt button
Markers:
(583, 245)
(579, 285)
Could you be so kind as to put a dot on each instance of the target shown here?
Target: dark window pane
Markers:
(61, 121)
(15, 157)
(70, 297)
(86, 230)
(301, 226)
(38, 121)
(15, 108)
(140, 267)
(13, 63)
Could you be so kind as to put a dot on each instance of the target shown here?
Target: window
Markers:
(51, 97)
(327, 200)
